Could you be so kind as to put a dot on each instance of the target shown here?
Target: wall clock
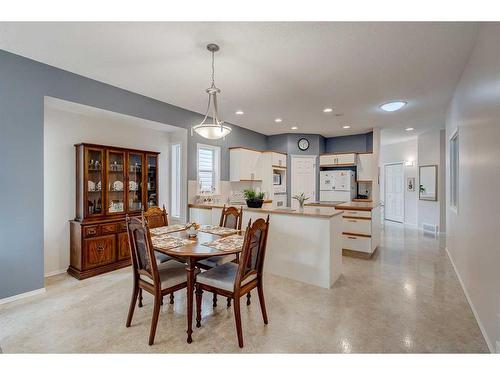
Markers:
(303, 144)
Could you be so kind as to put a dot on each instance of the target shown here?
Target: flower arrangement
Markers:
(254, 199)
(301, 198)
(192, 229)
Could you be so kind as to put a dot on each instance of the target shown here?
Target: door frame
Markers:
(315, 172)
(403, 187)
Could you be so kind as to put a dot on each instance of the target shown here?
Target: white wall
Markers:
(473, 232)
(61, 131)
(431, 146)
(400, 152)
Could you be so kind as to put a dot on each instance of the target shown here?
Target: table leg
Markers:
(190, 294)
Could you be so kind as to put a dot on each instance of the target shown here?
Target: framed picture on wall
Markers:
(410, 184)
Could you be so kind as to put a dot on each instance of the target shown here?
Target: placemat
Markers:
(165, 241)
(219, 231)
(167, 229)
(230, 243)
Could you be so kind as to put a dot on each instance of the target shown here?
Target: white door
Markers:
(394, 192)
(303, 178)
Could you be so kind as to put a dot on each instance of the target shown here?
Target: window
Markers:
(208, 168)
(454, 164)
(175, 205)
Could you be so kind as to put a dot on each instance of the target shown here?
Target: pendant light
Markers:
(213, 127)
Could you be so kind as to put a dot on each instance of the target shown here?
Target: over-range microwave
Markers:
(276, 178)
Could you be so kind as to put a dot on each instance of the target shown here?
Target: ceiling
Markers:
(289, 70)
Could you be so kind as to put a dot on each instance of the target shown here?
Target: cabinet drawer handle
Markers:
(91, 231)
(352, 238)
(100, 247)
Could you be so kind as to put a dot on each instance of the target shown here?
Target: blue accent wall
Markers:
(350, 143)
(23, 85)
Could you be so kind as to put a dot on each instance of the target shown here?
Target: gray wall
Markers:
(24, 83)
(289, 143)
(350, 143)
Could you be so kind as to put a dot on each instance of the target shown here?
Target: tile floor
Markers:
(407, 298)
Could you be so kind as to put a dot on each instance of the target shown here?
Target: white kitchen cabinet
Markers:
(279, 159)
(365, 167)
(243, 164)
(361, 230)
(329, 160)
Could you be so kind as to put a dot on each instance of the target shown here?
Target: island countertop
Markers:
(310, 211)
(355, 206)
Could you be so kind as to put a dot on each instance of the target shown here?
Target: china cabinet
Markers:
(111, 182)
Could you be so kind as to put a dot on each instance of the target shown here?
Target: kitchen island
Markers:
(361, 226)
(303, 245)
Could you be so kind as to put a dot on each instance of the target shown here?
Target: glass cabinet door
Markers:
(152, 178)
(116, 182)
(94, 180)
(134, 182)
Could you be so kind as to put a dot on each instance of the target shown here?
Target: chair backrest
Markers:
(156, 217)
(141, 249)
(231, 217)
(254, 250)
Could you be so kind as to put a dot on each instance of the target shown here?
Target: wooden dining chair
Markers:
(231, 217)
(235, 280)
(156, 217)
(157, 279)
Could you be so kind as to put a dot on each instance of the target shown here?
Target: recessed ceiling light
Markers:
(327, 110)
(294, 127)
(346, 126)
(240, 112)
(277, 120)
(409, 129)
(392, 106)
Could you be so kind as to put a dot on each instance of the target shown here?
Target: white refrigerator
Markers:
(339, 185)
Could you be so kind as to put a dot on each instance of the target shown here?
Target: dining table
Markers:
(191, 253)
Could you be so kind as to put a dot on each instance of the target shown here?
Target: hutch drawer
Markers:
(91, 231)
(99, 251)
(108, 228)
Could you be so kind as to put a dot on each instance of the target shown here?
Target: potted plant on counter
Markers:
(254, 199)
(301, 198)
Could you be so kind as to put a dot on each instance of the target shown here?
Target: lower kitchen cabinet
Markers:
(361, 232)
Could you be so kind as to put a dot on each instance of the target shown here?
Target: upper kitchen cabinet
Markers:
(243, 164)
(365, 167)
(337, 160)
(278, 159)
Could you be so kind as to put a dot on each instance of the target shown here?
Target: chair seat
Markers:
(171, 274)
(223, 277)
(162, 258)
(217, 260)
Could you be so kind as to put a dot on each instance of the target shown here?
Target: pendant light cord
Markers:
(213, 70)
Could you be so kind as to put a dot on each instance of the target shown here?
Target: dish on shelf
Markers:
(91, 185)
(133, 186)
(117, 186)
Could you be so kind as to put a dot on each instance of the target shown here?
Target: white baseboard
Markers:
(22, 295)
(481, 327)
(53, 273)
